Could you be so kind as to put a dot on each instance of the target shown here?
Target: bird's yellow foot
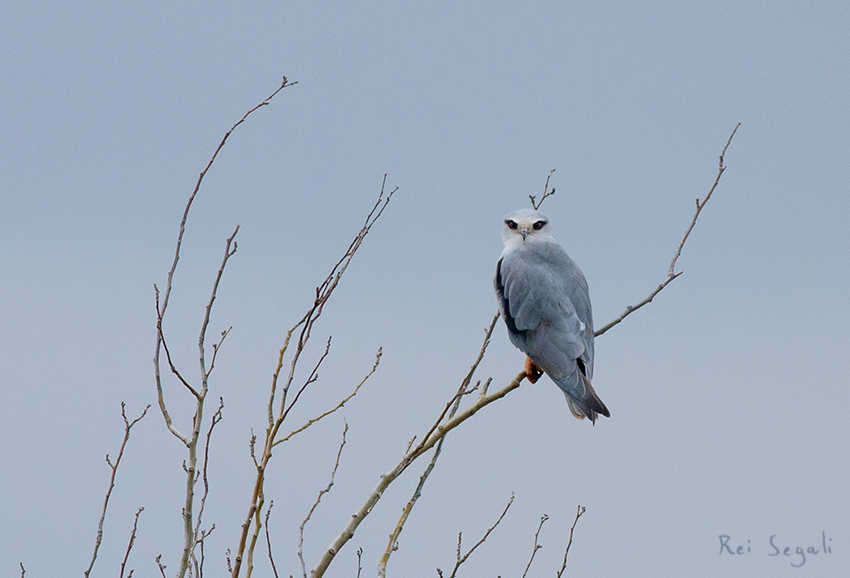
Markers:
(532, 371)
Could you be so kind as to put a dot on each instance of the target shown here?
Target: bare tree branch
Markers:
(316, 504)
(700, 204)
(537, 545)
(171, 366)
(191, 523)
(130, 544)
(579, 511)
(198, 561)
(163, 304)
(160, 565)
(160, 311)
(314, 375)
(268, 538)
(454, 403)
(281, 403)
(461, 559)
(229, 251)
(392, 546)
(217, 348)
(359, 566)
(338, 406)
(671, 271)
(199, 534)
(191, 534)
(128, 425)
(278, 408)
(547, 192)
(408, 458)
(168, 286)
(324, 292)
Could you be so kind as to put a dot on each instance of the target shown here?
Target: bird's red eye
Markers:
(539, 225)
(511, 225)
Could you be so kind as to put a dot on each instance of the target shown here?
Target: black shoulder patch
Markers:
(503, 301)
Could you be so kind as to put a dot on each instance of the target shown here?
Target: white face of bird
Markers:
(525, 225)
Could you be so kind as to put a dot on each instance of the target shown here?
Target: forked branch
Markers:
(537, 544)
(461, 559)
(128, 425)
(547, 192)
(579, 511)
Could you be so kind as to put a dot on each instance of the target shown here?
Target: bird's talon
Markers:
(532, 371)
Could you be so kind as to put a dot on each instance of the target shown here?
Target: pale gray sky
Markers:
(728, 394)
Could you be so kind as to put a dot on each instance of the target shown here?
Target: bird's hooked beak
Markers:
(524, 231)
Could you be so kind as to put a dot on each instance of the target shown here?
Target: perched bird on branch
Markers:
(545, 303)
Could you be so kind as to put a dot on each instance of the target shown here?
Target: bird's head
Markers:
(525, 225)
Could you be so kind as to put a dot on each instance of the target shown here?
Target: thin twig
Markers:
(217, 348)
(24, 570)
(547, 192)
(671, 271)
(130, 543)
(338, 406)
(160, 565)
(359, 566)
(228, 253)
(537, 545)
(200, 535)
(279, 366)
(314, 375)
(199, 565)
(461, 559)
(268, 538)
(171, 365)
(700, 204)
(217, 417)
(128, 425)
(160, 311)
(579, 511)
(316, 504)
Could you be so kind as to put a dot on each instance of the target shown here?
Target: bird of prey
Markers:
(544, 301)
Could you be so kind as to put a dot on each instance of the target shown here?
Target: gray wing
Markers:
(544, 299)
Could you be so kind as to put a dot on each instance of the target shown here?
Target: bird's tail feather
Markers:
(588, 405)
